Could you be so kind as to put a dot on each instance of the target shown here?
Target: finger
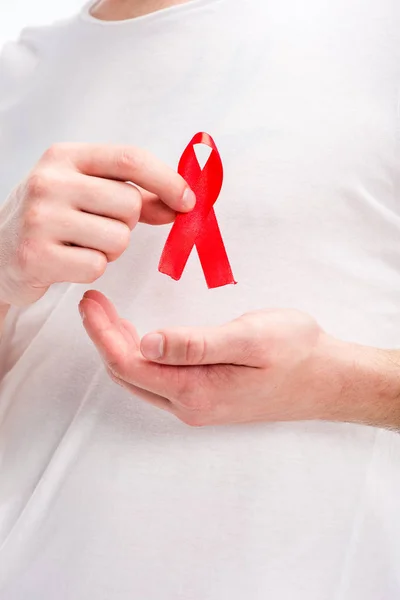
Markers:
(232, 343)
(130, 330)
(117, 200)
(153, 399)
(105, 304)
(126, 327)
(124, 359)
(186, 387)
(103, 327)
(68, 264)
(155, 212)
(129, 163)
(114, 199)
(187, 414)
(130, 335)
(109, 236)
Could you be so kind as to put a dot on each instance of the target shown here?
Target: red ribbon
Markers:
(199, 227)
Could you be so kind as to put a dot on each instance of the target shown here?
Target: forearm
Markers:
(368, 387)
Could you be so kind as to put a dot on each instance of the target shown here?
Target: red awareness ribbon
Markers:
(199, 227)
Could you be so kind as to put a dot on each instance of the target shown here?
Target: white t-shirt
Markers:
(104, 497)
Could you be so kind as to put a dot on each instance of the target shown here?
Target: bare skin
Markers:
(113, 10)
(269, 365)
(336, 380)
(119, 10)
(60, 224)
(273, 365)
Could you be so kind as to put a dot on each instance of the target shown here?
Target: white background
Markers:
(16, 14)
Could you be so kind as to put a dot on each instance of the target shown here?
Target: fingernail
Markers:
(189, 199)
(152, 346)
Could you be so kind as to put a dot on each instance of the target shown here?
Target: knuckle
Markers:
(36, 215)
(121, 242)
(54, 152)
(30, 257)
(128, 159)
(195, 349)
(95, 268)
(135, 209)
(38, 184)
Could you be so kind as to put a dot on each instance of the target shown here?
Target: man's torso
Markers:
(102, 496)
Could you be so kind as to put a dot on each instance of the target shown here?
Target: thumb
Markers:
(233, 343)
(114, 338)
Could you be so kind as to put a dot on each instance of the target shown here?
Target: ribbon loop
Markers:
(199, 227)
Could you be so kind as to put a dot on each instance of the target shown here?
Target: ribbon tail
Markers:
(199, 227)
(212, 254)
(177, 249)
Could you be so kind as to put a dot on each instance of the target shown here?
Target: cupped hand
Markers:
(269, 365)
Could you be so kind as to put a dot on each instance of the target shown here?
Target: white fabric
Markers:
(104, 497)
